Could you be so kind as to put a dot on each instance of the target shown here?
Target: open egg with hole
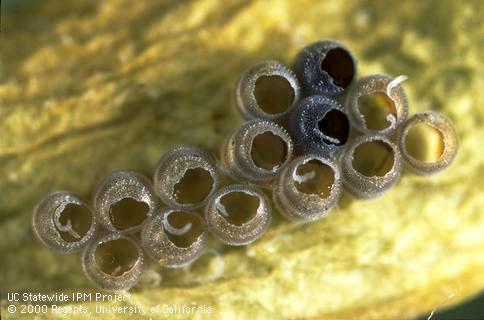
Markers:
(113, 261)
(377, 104)
(174, 238)
(124, 200)
(370, 166)
(179, 170)
(63, 222)
(238, 214)
(428, 143)
(266, 91)
(256, 152)
(307, 188)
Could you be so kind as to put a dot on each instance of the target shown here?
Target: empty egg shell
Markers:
(63, 222)
(428, 143)
(308, 188)
(174, 238)
(113, 261)
(256, 152)
(266, 91)
(238, 214)
(377, 104)
(370, 166)
(124, 200)
(179, 170)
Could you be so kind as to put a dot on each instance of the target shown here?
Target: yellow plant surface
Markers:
(91, 86)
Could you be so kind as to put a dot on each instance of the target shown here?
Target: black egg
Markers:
(325, 67)
(319, 125)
